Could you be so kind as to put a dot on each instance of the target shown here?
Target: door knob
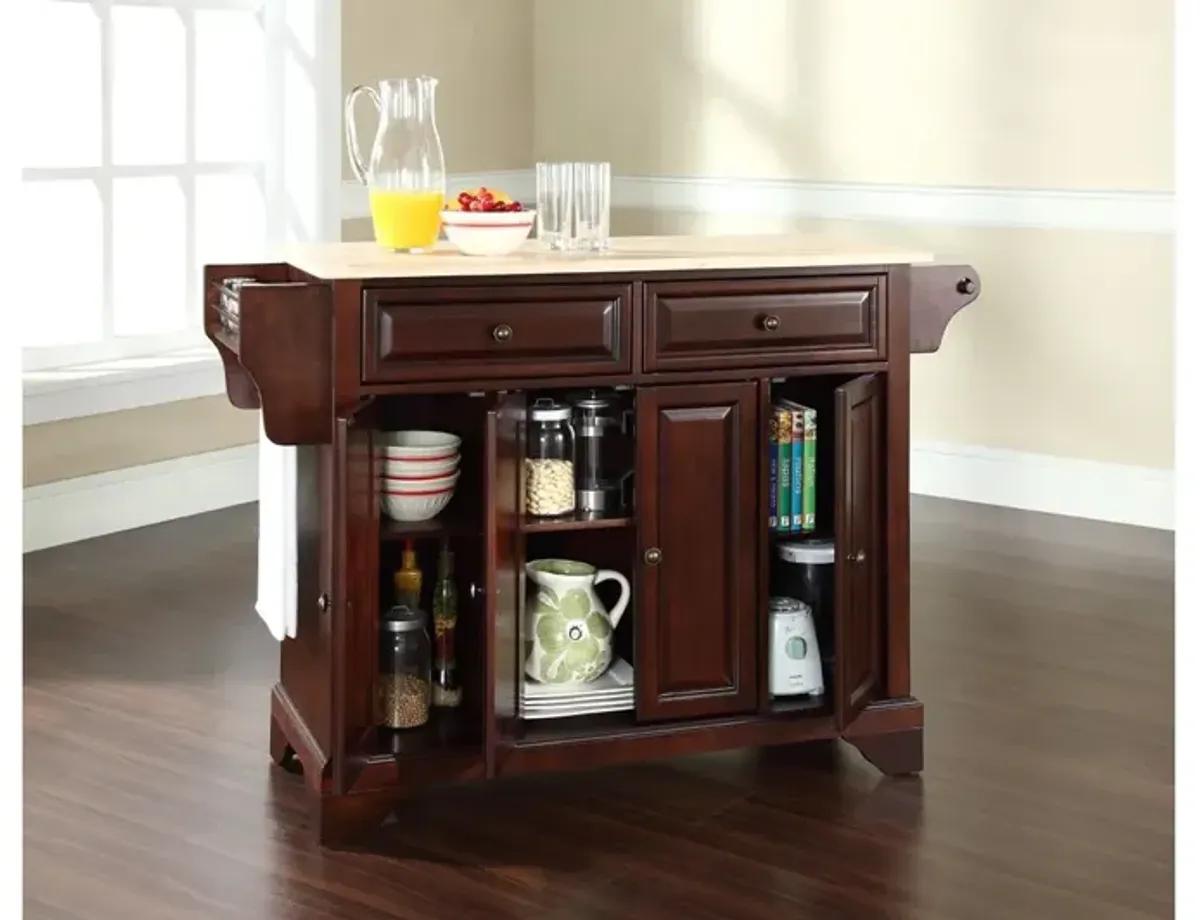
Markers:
(502, 333)
(770, 323)
(653, 556)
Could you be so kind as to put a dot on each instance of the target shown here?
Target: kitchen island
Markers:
(338, 343)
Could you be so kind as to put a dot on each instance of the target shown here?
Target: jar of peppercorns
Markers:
(405, 661)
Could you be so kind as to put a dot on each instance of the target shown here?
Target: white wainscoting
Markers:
(91, 506)
(1036, 482)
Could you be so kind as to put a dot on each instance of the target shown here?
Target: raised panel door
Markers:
(697, 510)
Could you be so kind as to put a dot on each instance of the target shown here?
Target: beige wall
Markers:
(1068, 351)
(1015, 93)
(482, 52)
(116, 440)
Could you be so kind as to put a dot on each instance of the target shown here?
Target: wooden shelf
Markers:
(449, 732)
(577, 728)
(580, 520)
(817, 705)
(453, 522)
(818, 534)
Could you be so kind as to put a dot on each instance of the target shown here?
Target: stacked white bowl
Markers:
(418, 472)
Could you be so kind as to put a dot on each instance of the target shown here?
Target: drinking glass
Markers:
(555, 204)
(592, 201)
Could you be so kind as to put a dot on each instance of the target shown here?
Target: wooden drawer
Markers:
(484, 332)
(692, 325)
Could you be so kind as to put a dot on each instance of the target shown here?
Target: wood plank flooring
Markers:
(1042, 648)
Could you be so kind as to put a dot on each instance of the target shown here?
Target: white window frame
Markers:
(132, 371)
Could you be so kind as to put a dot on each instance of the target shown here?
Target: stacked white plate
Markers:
(612, 691)
(418, 471)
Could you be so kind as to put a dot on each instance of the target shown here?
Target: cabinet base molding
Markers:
(899, 753)
(642, 743)
(293, 746)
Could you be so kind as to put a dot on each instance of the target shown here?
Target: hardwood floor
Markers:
(1042, 649)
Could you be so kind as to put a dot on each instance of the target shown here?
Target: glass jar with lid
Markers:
(550, 459)
(405, 661)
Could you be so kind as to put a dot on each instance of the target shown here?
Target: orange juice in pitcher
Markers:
(406, 171)
(406, 221)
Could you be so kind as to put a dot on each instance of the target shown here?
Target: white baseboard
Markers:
(115, 386)
(1034, 482)
(1064, 209)
(91, 506)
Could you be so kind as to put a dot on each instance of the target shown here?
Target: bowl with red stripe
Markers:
(417, 445)
(415, 506)
(416, 499)
(417, 469)
(409, 484)
(487, 233)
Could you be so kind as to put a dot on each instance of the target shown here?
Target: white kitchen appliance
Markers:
(795, 662)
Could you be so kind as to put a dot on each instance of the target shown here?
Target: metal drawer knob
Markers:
(323, 603)
(502, 333)
(770, 323)
(653, 556)
(860, 556)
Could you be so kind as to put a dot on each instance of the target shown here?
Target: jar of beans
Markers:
(550, 460)
(405, 659)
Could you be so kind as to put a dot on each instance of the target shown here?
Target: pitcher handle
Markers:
(614, 615)
(356, 162)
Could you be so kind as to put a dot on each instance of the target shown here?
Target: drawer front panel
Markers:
(479, 333)
(697, 325)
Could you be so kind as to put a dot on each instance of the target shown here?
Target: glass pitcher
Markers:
(406, 173)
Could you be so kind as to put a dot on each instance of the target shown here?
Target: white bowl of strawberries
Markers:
(486, 222)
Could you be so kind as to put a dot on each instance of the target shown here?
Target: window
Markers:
(152, 147)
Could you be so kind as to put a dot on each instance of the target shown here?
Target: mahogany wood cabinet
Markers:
(337, 343)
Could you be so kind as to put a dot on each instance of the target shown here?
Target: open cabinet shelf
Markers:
(448, 733)
(697, 634)
(580, 520)
(453, 522)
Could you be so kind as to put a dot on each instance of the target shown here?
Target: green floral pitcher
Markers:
(568, 633)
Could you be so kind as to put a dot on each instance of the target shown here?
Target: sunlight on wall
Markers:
(770, 71)
(741, 106)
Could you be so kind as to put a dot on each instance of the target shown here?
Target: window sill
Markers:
(62, 393)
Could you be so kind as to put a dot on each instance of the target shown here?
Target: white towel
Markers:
(277, 546)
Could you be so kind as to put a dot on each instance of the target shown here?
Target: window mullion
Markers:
(192, 295)
(104, 181)
(274, 196)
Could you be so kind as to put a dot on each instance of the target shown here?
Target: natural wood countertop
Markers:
(358, 261)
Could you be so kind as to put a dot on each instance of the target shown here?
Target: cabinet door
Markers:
(697, 508)
(354, 595)
(502, 573)
(858, 521)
